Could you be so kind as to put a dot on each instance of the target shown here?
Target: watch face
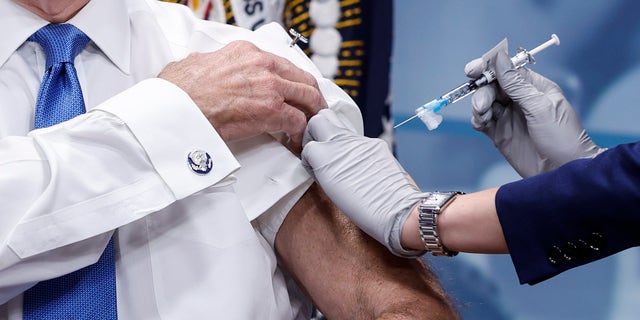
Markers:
(439, 198)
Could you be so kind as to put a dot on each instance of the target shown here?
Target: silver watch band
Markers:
(429, 209)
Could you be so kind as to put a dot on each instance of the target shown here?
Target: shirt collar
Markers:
(106, 22)
(22, 24)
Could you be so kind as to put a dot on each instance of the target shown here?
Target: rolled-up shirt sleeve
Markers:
(272, 179)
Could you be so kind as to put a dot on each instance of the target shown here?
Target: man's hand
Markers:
(361, 177)
(528, 118)
(244, 91)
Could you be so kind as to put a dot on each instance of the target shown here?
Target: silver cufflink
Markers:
(297, 36)
(200, 162)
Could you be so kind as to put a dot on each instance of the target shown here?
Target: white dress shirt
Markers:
(188, 246)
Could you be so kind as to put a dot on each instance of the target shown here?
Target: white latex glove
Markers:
(361, 177)
(527, 117)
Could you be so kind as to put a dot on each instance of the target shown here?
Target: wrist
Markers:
(410, 238)
(471, 224)
(428, 225)
(405, 223)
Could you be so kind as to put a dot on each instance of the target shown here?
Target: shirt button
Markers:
(596, 241)
(570, 251)
(555, 255)
(200, 162)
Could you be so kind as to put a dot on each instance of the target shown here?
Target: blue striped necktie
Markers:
(88, 293)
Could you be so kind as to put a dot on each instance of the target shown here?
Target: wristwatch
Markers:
(429, 209)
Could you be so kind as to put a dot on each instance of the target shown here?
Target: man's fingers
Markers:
(289, 120)
(249, 91)
(287, 70)
(304, 97)
(295, 144)
(299, 88)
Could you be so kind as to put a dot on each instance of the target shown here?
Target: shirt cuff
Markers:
(169, 126)
(269, 172)
(271, 220)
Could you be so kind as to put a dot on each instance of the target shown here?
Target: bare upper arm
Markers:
(347, 274)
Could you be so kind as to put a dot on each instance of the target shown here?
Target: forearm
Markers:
(347, 274)
(468, 224)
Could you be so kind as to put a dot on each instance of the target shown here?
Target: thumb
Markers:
(307, 156)
(475, 67)
(517, 86)
(324, 126)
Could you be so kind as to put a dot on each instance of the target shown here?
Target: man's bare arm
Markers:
(347, 274)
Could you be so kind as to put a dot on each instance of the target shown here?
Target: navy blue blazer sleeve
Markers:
(583, 211)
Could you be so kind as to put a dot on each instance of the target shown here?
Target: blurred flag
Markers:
(363, 54)
(249, 14)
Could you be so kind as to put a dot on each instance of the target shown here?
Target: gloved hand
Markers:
(361, 177)
(527, 117)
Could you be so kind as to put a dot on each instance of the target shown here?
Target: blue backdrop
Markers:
(597, 65)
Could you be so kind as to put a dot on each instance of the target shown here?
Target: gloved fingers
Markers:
(351, 154)
(325, 125)
(481, 102)
(484, 99)
(317, 154)
(498, 110)
(305, 155)
(489, 119)
(504, 129)
(542, 83)
(518, 88)
(477, 124)
(539, 82)
(474, 68)
(494, 127)
(306, 165)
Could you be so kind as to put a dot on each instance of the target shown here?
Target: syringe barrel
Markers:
(469, 87)
(460, 91)
(519, 60)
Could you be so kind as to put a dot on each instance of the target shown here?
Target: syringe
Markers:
(427, 112)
